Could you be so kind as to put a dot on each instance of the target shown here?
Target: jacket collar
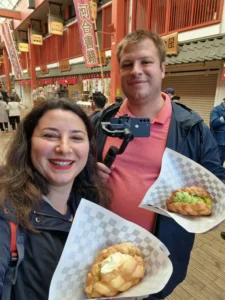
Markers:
(184, 115)
(222, 106)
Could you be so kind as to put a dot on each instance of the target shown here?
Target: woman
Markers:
(50, 166)
(3, 115)
(14, 111)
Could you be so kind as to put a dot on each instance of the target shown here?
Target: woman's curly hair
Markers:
(23, 186)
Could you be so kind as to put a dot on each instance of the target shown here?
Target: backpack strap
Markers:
(17, 240)
(13, 248)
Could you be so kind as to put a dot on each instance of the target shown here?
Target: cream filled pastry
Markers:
(116, 269)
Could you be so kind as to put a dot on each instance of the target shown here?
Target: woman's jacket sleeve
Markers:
(4, 250)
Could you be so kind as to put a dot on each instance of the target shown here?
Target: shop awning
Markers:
(198, 51)
(76, 69)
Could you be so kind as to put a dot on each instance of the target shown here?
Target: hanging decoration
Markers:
(11, 50)
(87, 33)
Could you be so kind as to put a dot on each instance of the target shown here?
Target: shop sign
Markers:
(171, 42)
(93, 10)
(46, 81)
(36, 39)
(103, 58)
(44, 69)
(23, 47)
(64, 66)
(55, 25)
(87, 33)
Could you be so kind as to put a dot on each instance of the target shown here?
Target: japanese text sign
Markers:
(55, 25)
(103, 61)
(64, 66)
(23, 47)
(11, 50)
(36, 39)
(171, 42)
(44, 69)
(87, 34)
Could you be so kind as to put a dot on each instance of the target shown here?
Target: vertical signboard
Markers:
(11, 50)
(171, 42)
(87, 34)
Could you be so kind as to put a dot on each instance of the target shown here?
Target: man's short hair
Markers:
(99, 99)
(170, 91)
(176, 97)
(139, 36)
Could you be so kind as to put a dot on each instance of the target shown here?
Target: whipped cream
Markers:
(112, 262)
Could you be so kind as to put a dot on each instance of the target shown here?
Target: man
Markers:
(171, 93)
(217, 127)
(98, 101)
(141, 56)
(16, 96)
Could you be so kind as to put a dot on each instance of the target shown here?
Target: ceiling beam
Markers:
(10, 14)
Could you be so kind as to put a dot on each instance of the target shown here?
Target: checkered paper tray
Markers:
(178, 171)
(94, 229)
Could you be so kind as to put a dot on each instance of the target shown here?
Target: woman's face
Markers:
(60, 147)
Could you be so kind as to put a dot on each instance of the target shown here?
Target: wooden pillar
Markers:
(118, 21)
(6, 67)
(32, 62)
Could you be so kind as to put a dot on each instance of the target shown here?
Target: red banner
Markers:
(13, 57)
(223, 72)
(87, 33)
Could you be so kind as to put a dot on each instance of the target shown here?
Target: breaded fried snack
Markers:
(193, 201)
(115, 270)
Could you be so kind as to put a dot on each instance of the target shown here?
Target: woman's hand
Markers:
(103, 171)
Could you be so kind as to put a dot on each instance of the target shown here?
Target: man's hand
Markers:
(103, 171)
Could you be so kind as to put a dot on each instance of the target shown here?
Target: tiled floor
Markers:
(206, 274)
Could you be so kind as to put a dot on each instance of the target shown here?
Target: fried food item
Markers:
(115, 270)
(193, 201)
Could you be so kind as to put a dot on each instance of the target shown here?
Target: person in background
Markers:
(16, 96)
(49, 168)
(98, 102)
(171, 93)
(4, 119)
(217, 127)
(141, 57)
(39, 99)
(14, 111)
(5, 96)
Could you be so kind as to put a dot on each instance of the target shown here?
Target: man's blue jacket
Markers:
(217, 124)
(189, 136)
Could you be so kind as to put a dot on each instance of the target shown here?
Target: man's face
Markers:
(141, 72)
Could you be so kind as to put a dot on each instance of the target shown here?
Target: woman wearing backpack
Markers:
(50, 166)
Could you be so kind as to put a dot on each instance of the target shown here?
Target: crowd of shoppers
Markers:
(10, 106)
